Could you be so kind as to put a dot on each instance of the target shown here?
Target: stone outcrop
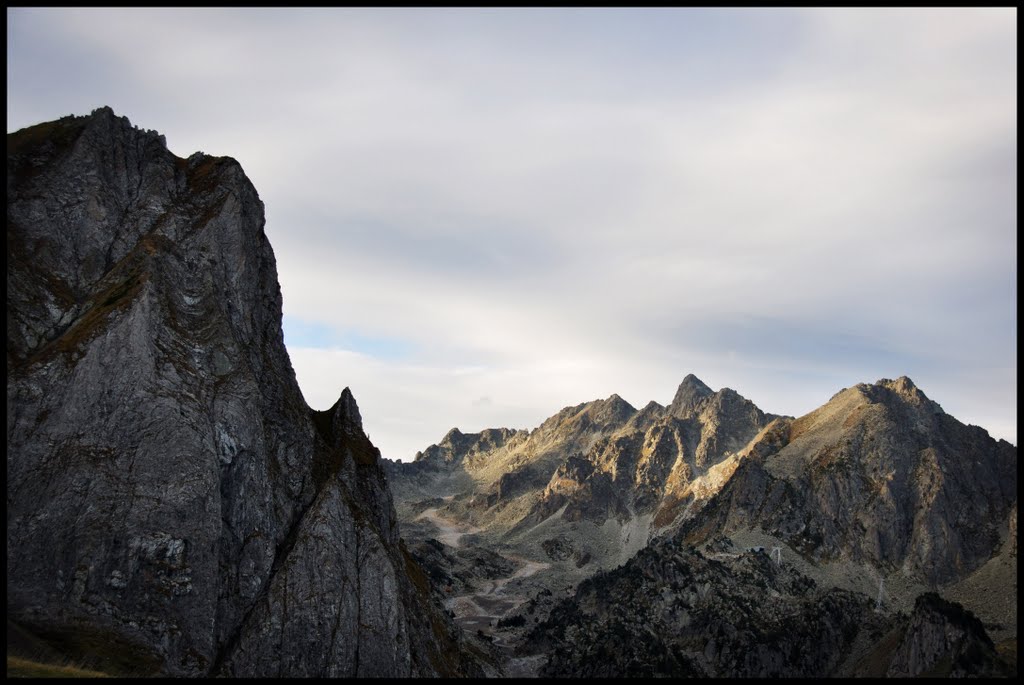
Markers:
(944, 640)
(169, 491)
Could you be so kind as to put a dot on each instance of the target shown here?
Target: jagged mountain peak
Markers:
(104, 121)
(611, 410)
(456, 446)
(615, 405)
(451, 436)
(888, 439)
(726, 397)
(690, 393)
(645, 417)
(904, 389)
(901, 400)
(346, 411)
(107, 114)
(691, 385)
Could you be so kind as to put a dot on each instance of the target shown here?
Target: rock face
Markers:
(881, 475)
(169, 491)
(944, 640)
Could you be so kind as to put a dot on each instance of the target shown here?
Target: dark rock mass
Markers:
(170, 494)
(672, 612)
(944, 640)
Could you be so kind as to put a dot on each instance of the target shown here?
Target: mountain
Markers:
(878, 475)
(708, 538)
(173, 505)
(807, 561)
(595, 478)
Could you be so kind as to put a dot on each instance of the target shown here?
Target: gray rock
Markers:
(689, 394)
(671, 612)
(168, 488)
(942, 639)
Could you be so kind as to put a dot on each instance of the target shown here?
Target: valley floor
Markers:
(478, 612)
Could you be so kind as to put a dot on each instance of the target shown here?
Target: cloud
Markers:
(570, 202)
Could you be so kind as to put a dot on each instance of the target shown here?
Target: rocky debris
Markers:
(944, 640)
(673, 612)
(563, 549)
(458, 571)
(169, 490)
(558, 549)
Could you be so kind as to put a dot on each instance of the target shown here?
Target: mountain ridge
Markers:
(876, 492)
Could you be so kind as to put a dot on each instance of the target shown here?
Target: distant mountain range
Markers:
(878, 493)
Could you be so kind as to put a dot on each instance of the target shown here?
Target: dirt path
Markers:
(489, 601)
(481, 609)
(451, 531)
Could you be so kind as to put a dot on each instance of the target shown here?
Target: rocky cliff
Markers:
(171, 498)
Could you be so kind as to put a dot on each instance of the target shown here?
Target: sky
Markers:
(481, 216)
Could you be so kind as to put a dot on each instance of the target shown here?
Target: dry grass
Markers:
(24, 668)
(75, 652)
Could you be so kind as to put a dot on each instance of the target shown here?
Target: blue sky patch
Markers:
(316, 334)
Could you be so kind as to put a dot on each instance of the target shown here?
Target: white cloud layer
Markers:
(539, 207)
